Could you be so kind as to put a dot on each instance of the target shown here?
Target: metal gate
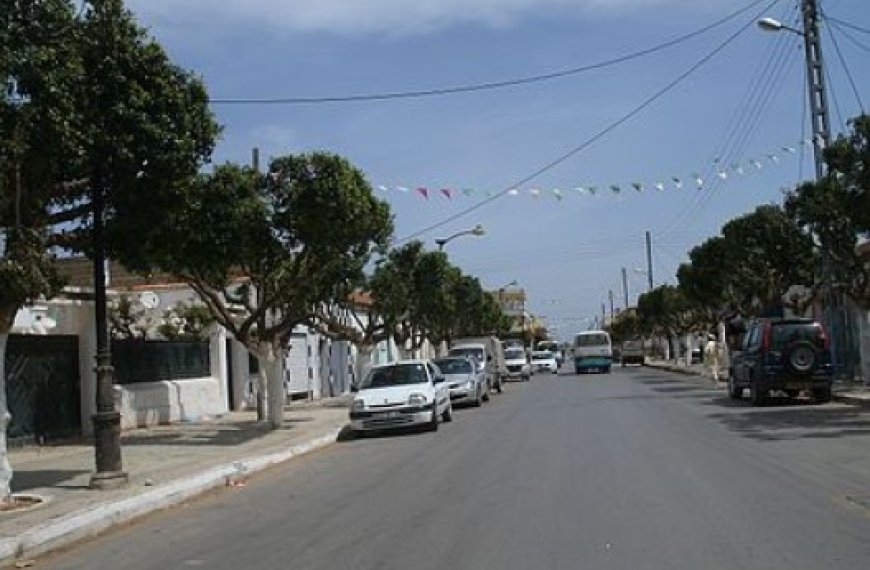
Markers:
(42, 386)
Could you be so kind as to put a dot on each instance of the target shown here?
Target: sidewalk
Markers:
(847, 392)
(166, 464)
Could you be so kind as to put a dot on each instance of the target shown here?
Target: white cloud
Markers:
(359, 17)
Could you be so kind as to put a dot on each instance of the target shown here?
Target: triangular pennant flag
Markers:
(467, 191)
(513, 192)
(660, 186)
(447, 192)
(722, 174)
(773, 158)
(580, 189)
(557, 193)
(637, 186)
(756, 163)
(789, 149)
(698, 180)
(592, 190)
(382, 188)
(535, 192)
(403, 189)
(615, 188)
(678, 184)
(423, 192)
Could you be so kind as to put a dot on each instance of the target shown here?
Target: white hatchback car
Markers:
(398, 394)
(544, 361)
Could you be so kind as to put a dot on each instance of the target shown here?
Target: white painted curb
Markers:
(93, 520)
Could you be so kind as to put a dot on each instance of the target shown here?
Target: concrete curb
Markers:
(91, 521)
(674, 369)
(852, 400)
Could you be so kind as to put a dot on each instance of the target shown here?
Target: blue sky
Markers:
(744, 103)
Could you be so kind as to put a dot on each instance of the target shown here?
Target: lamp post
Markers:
(819, 116)
(477, 230)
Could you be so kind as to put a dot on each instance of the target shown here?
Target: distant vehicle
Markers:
(554, 347)
(544, 361)
(489, 354)
(399, 394)
(517, 363)
(788, 355)
(467, 384)
(593, 350)
(632, 352)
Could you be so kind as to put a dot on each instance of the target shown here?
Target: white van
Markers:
(593, 350)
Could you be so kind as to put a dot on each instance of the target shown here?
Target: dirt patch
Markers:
(20, 502)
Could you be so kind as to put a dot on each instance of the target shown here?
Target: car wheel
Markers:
(607, 370)
(447, 416)
(757, 395)
(801, 358)
(485, 396)
(734, 392)
(822, 395)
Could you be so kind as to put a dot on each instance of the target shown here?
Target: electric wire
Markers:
(741, 120)
(803, 152)
(488, 85)
(599, 135)
(847, 24)
(845, 66)
(746, 127)
(836, 100)
(855, 41)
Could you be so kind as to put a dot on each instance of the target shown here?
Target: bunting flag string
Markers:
(718, 169)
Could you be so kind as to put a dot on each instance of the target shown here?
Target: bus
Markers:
(593, 350)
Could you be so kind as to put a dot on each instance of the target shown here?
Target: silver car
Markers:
(466, 382)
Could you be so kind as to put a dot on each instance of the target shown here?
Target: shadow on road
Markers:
(790, 420)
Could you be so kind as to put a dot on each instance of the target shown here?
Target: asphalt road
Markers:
(638, 470)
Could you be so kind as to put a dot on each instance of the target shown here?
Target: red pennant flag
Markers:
(447, 192)
(424, 192)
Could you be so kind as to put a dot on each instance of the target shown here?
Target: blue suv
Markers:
(788, 355)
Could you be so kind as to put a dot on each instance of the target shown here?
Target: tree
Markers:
(100, 111)
(266, 253)
(836, 210)
(186, 322)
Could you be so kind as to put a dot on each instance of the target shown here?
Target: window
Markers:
(454, 365)
(591, 340)
(399, 375)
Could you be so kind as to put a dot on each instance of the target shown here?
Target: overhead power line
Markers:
(600, 134)
(848, 35)
(489, 85)
(845, 66)
(847, 24)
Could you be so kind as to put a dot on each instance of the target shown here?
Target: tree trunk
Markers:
(5, 417)
(363, 362)
(262, 387)
(272, 366)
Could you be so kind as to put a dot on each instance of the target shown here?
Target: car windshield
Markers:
(547, 355)
(788, 333)
(514, 354)
(591, 340)
(453, 365)
(551, 346)
(472, 352)
(396, 375)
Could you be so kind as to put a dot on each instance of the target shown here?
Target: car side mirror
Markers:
(488, 357)
(439, 379)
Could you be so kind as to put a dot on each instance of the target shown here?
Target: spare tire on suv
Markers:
(801, 357)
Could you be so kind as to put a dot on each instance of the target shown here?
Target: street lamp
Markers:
(774, 25)
(477, 230)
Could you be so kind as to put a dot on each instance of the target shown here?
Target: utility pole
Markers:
(603, 314)
(610, 294)
(649, 269)
(625, 286)
(816, 85)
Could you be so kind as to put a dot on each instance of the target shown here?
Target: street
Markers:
(639, 469)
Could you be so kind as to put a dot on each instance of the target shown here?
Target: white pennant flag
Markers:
(756, 163)
(660, 186)
(382, 188)
(773, 158)
(698, 180)
(789, 149)
(514, 192)
(722, 174)
(535, 192)
(403, 189)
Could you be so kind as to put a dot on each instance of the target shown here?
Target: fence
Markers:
(138, 360)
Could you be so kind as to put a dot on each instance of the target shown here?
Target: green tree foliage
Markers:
(186, 321)
(836, 210)
(265, 253)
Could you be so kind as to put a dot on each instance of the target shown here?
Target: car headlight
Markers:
(416, 399)
(470, 384)
(358, 405)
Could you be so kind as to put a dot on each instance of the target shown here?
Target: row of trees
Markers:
(94, 110)
(772, 258)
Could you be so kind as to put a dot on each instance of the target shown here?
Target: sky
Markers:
(737, 120)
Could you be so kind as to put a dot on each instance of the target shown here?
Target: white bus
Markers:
(593, 350)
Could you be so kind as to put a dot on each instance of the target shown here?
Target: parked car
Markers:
(544, 361)
(466, 383)
(517, 364)
(403, 393)
(632, 352)
(488, 353)
(789, 355)
(554, 347)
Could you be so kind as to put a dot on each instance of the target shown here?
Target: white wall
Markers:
(152, 403)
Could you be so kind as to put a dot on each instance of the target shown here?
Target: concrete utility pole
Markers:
(610, 295)
(625, 286)
(649, 273)
(816, 85)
